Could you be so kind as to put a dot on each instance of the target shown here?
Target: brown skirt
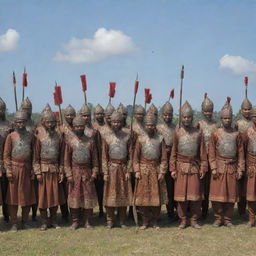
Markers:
(50, 191)
(82, 194)
(224, 188)
(150, 192)
(188, 187)
(251, 188)
(21, 191)
(117, 191)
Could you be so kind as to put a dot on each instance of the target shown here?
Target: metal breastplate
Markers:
(138, 129)
(207, 130)
(188, 145)
(81, 152)
(50, 147)
(4, 130)
(151, 148)
(227, 146)
(21, 146)
(167, 133)
(89, 132)
(118, 147)
(243, 125)
(252, 144)
(30, 127)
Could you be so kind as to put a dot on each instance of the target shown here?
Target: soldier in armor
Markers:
(81, 169)
(207, 126)
(18, 152)
(5, 129)
(166, 130)
(250, 149)
(26, 106)
(117, 167)
(153, 109)
(48, 168)
(242, 125)
(107, 127)
(188, 164)
(123, 110)
(226, 158)
(150, 167)
(138, 125)
(98, 125)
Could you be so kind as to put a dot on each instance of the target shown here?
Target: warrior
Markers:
(250, 156)
(81, 169)
(69, 115)
(150, 167)
(153, 109)
(117, 166)
(242, 125)
(26, 106)
(138, 125)
(99, 126)
(226, 158)
(166, 130)
(207, 126)
(18, 152)
(48, 168)
(5, 129)
(188, 164)
(107, 127)
(123, 110)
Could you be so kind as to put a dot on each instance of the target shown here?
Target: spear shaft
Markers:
(15, 91)
(181, 88)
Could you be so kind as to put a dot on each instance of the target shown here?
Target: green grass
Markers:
(208, 241)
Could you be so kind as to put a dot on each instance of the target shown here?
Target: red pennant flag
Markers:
(24, 80)
(149, 98)
(56, 114)
(136, 86)
(58, 95)
(172, 94)
(112, 89)
(83, 81)
(246, 80)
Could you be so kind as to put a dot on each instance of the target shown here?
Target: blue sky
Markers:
(158, 37)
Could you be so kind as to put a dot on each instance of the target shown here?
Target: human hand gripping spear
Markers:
(58, 99)
(246, 85)
(84, 87)
(112, 90)
(14, 89)
(181, 87)
(24, 83)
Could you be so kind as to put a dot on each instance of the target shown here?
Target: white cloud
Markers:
(237, 64)
(104, 44)
(9, 40)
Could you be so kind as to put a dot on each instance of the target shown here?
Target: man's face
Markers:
(139, 117)
(226, 121)
(167, 117)
(50, 125)
(20, 125)
(253, 118)
(79, 130)
(69, 118)
(207, 115)
(150, 129)
(108, 119)
(246, 112)
(87, 118)
(99, 117)
(116, 125)
(186, 120)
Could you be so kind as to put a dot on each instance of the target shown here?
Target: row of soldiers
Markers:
(79, 164)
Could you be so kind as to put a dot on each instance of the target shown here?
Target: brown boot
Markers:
(74, 216)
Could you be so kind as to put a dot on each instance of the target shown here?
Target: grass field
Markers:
(208, 241)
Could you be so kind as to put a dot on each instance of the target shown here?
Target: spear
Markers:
(84, 87)
(136, 87)
(148, 97)
(246, 85)
(181, 87)
(171, 94)
(14, 89)
(112, 90)
(24, 83)
(58, 99)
